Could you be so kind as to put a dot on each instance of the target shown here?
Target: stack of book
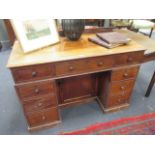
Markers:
(110, 39)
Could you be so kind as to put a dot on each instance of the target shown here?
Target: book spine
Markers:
(103, 39)
(96, 42)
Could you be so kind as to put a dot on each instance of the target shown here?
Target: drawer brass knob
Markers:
(36, 90)
(122, 87)
(71, 68)
(100, 64)
(34, 74)
(130, 59)
(119, 100)
(43, 117)
(40, 104)
(126, 74)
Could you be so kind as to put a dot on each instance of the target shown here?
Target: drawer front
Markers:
(122, 74)
(40, 103)
(81, 66)
(31, 73)
(97, 63)
(37, 89)
(43, 117)
(118, 99)
(121, 87)
(128, 58)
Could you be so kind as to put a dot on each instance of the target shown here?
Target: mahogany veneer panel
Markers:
(77, 88)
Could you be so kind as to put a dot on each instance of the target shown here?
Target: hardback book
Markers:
(113, 37)
(100, 42)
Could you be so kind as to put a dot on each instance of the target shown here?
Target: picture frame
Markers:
(35, 34)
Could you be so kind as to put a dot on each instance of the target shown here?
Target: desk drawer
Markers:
(43, 117)
(40, 103)
(36, 89)
(31, 73)
(118, 99)
(128, 58)
(120, 87)
(85, 65)
(122, 74)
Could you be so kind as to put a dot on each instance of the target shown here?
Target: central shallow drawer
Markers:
(84, 65)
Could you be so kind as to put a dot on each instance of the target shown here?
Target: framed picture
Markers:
(35, 34)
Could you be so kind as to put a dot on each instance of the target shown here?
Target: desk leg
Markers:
(150, 86)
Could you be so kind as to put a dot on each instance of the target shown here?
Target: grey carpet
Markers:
(12, 120)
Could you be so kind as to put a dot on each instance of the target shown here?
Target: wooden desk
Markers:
(72, 73)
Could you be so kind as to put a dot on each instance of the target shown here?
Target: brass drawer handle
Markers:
(130, 59)
(125, 74)
(71, 68)
(40, 104)
(100, 64)
(119, 100)
(122, 87)
(36, 90)
(34, 74)
(43, 117)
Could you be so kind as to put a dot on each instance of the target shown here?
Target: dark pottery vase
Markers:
(73, 28)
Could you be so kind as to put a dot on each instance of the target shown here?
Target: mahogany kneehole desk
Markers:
(73, 73)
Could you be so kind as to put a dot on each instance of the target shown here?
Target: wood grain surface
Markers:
(66, 50)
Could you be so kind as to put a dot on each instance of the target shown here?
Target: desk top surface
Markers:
(70, 50)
